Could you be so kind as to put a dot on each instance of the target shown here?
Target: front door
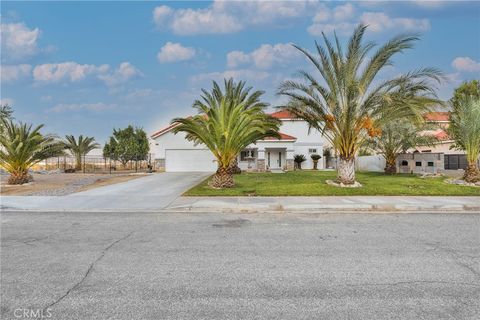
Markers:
(274, 159)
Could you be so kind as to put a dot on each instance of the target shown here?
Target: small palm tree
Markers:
(465, 130)
(398, 137)
(347, 103)
(79, 148)
(21, 147)
(226, 125)
(315, 157)
(298, 159)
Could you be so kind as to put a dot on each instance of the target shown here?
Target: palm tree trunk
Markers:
(78, 164)
(346, 171)
(391, 165)
(223, 178)
(315, 164)
(472, 173)
(19, 177)
(234, 168)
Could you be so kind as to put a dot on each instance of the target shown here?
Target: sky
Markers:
(88, 67)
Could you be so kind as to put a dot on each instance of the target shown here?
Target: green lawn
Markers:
(312, 183)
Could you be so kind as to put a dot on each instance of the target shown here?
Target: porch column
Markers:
(289, 160)
(261, 160)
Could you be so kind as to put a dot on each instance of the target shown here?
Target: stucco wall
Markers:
(441, 147)
(370, 163)
(171, 141)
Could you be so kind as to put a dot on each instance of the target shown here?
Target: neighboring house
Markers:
(174, 153)
(443, 155)
(440, 120)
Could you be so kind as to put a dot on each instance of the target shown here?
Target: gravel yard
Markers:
(62, 184)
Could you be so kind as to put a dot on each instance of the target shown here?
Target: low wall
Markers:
(370, 163)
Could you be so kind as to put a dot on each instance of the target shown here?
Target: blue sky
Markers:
(85, 68)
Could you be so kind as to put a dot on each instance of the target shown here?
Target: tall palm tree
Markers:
(347, 102)
(79, 148)
(465, 130)
(228, 121)
(21, 147)
(399, 136)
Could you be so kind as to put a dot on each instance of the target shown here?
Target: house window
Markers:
(418, 163)
(312, 150)
(430, 163)
(404, 163)
(247, 154)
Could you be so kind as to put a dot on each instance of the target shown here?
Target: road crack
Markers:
(89, 270)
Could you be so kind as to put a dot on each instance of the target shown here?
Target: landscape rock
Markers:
(461, 182)
(341, 185)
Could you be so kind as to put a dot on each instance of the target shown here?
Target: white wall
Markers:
(370, 163)
(171, 141)
(299, 129)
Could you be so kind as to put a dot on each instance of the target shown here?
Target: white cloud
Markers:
(240, 74)
(18, 41)
(173, 52)
(12, 73)
(342, 28)
(74, 72)
(265, 56)
(343, 19)
(96, 107)
(161, 15)
(343, 12)
(228, 16)
(236, 58)
(379, 21)
(122, 74)
(466, 64)
(70, 71)
(8, 101)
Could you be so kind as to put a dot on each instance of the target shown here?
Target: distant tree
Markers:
(110, 149)
(22, 146)
(79, 148)
(471, 88)
(129, 144)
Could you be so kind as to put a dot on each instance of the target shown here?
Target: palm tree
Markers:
(348, 103)
(465, 130)
(298, 159)
(79, 148)
(226, 124)
(398, 137)
(21, 147)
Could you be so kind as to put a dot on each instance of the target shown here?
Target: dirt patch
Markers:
(61, 184)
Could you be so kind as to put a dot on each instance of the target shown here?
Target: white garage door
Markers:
(189, 160)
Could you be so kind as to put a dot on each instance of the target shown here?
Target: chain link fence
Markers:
(95, 164)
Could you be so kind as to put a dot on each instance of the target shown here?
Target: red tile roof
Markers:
(163, 131)
(283, 114)
(437, 116)
(442, 135)
(283, 136)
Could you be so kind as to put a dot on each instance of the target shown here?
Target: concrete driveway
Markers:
(152, 192)
(90, 265)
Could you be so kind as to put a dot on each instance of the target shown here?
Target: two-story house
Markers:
(174, 153)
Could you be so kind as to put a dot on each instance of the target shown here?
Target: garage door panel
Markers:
(184, 160)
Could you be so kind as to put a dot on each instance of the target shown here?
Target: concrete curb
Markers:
(332, 209)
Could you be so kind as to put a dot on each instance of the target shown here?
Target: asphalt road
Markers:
(240, 266)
